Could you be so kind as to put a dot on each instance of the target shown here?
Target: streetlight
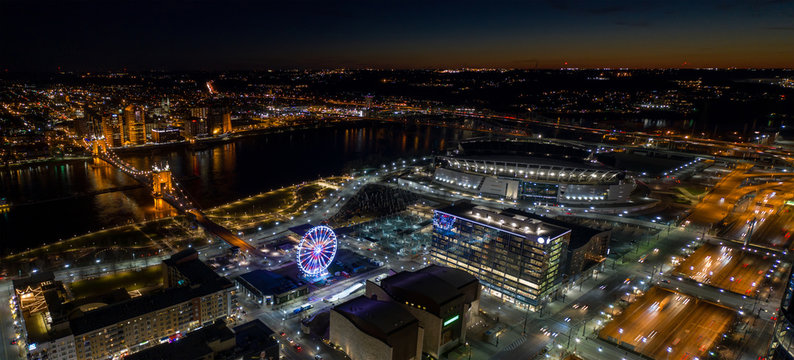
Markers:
(620, 335)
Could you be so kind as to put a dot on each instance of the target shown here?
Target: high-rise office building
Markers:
(199, 112)
(166, 134)
(111, 129)
(516, 258)
(80, 127)
(194, 127)
(587, 248)
(782, 345)
(90, 124)
(134, 125)
(220, 120)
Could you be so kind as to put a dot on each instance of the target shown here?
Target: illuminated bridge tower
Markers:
(161, 185)
(97, 148)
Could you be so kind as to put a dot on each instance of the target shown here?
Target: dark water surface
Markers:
(59, 200)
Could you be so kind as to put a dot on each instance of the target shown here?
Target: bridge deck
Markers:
(183, 205)
(223, 233)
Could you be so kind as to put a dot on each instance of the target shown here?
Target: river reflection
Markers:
(56, 201)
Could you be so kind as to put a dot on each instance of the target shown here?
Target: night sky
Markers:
(188, 35)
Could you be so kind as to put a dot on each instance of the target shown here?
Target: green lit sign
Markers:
(451, 320)
(789, 202)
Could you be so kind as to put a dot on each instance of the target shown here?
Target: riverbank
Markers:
(268, 209)
(43, 161)
(244, 167)
(167, 235)
(205, 142)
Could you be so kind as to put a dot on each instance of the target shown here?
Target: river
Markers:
(55, 201)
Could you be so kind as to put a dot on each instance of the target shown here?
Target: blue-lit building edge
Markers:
(485, 283)
(444, 226)
(782, 346)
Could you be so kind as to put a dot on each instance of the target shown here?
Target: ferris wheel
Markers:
(316, 250)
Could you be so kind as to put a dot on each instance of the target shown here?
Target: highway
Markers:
(717, 204)
(776, 231)
(726, 267)
(727, 194)
(667, 324)
(587, 305)
(575, 318)
(588, 309)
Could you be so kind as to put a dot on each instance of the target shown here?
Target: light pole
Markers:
(620, 335)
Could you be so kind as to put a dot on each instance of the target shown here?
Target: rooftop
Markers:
(252, 337)
(512, 221)
(532, 161)
(420, 288)
(376, 318)
(33, 281)
(269, 283)
(253, 328)
(189, 265)
(455, 277)
(580, 235)
(111, 314)
(193, 346)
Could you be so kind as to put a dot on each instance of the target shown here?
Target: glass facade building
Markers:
(515, 257)
(782, 347)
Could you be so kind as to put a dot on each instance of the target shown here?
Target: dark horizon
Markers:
(90, 36)
(320, 69)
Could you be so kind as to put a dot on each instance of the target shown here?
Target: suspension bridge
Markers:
(167, 191)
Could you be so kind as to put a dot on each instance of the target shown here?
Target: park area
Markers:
(666, 324)
(263, 210)
(726, 267)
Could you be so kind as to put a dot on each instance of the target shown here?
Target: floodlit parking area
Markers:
(665, 324)
(729, 268)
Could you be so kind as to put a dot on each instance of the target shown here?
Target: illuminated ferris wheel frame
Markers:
(317, 250)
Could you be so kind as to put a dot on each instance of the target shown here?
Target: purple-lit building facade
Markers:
(516, 258)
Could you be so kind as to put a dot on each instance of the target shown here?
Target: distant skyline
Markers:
(251, 35)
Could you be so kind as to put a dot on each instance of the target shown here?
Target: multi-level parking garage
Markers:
(539, 171)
